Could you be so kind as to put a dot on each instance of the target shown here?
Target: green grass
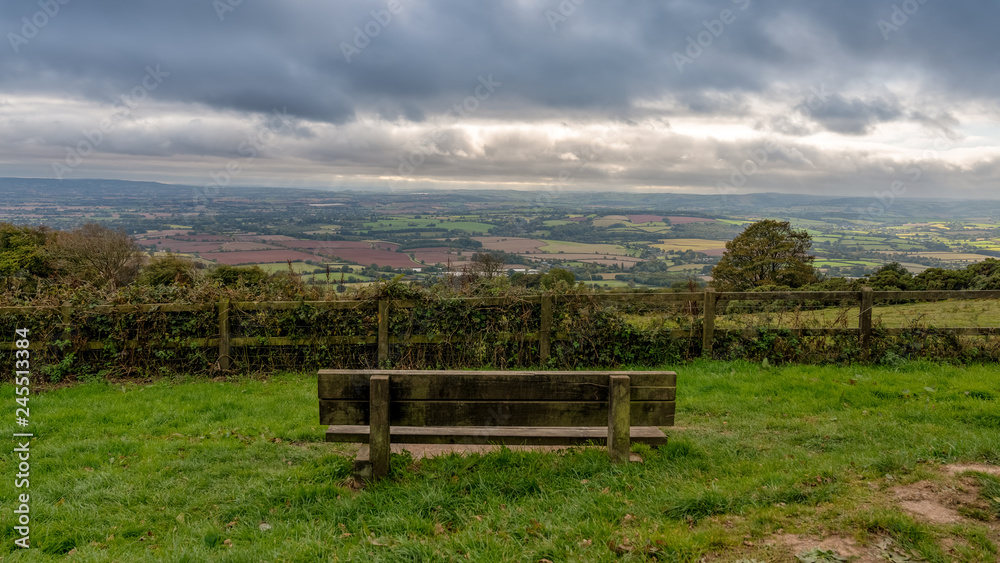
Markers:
(172, 471)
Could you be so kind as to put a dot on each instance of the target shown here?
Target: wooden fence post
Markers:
(545, 330)
(224, 335)
(378, 425)
(708, 326)
(383, 331)
(865, 320)
(619, 432)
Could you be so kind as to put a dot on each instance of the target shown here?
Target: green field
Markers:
(764, 464)
(408, 224)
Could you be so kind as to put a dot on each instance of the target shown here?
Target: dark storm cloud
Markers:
(856, 116)
(357, 76)
(601, 55)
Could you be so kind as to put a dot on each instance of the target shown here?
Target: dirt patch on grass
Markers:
(931, 502)
(847, 548)
(961, 468)
(951, 502)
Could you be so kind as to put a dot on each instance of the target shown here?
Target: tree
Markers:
(98, 255)
(766, 253)
(22, 252)
(234, 276)
(555, 275)
(168, 270)
(487, 264)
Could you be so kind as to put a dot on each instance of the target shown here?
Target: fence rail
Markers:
(706, 304)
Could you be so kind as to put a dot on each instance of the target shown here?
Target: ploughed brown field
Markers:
(265, 249)
(259, 256)
(511, 244)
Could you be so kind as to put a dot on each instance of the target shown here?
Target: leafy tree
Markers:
(891, 277)
(22, 251)
(767, 253)
(168, 270)
(555, 275)
(98, 255)
(233, 276)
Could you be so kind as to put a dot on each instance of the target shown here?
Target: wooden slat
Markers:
(751, 332)
(285, 305)
(469, 302)
(957, 330)
(510, 435)
(790, 295)
(462, 339)
(664, 297)
(28, 310)
(495, 385)
(147, 308)
(286, 341)
(492, 385)
(496, 413)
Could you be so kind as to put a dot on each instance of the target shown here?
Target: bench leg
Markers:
(618, 418)
(378, 439)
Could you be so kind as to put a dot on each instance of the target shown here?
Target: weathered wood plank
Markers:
(285, 305)
(618, 418)
(545, 330)
(149, 308)
(379, 430)
(29, 310)
(471, 301)
(751, 332)
(789, 296)
(708, 323)
(957, 330)
(496, 413)
(510, 435)
(865, 320)
(383, 332)
(661, 297)
(287, 341)
(462, 338)
(553, 386)
(224, 344)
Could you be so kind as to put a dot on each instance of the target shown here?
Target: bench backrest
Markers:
(496, 398)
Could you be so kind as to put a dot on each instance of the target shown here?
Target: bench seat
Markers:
(544, 408)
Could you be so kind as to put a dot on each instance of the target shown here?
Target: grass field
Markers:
(765, 463)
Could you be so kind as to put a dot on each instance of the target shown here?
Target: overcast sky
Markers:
(827, 97)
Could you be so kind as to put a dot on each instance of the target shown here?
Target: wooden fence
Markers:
(708, 303)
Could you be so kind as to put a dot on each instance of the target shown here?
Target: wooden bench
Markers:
(490, 407)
